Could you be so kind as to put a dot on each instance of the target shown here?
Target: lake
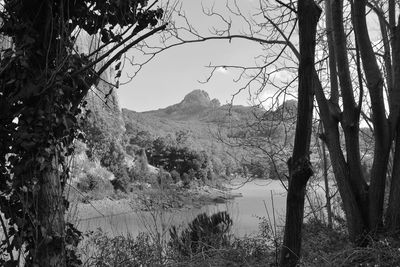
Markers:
(260, 198)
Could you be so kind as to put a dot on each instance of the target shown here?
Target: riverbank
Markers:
(152, 198)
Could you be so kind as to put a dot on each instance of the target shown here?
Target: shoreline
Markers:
(183, 199)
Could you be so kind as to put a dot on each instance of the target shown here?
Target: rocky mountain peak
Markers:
(193, 105)
(197, 98)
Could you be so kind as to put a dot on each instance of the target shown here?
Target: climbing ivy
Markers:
(43, 80)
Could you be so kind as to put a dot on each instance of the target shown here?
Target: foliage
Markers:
(97, 136)
(93, 180)
(202, 234)
(197, 133)
(102, 140)
(114, 161)
(172, 154)
(102, 250)
(43, 80)
(176, 177)
(246, 251)
(320, 242)
(378, 253)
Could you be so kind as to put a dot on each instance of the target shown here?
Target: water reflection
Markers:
(256, 201)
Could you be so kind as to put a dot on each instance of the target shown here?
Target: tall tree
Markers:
(299, 164)
(43, 80)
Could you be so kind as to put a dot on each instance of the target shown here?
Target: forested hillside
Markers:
(238, 139)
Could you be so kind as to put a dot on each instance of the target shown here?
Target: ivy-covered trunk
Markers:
(51, 249)
(43, 80)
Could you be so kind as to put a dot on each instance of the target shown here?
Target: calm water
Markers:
(256, 200)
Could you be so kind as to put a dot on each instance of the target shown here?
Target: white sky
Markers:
(174, 73)
(177, 71)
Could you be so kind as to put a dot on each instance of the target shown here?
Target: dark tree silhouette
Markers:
(299, 164)
(43, 80)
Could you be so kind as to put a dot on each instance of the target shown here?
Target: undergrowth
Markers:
(207, 241)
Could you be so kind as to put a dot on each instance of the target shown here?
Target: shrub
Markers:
(186, 180)
(94, 181)
(164, 179)
(176, 177)
(114, 160)
(202, 234)
(320, 243)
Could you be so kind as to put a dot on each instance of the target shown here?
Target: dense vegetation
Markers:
(44, 79)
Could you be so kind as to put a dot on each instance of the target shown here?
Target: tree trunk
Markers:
(326, 180)
(299, 165)
(381, 130)
(351, 112)
(330, 116)
(393, 212)
(392, 222)
(51, 248)
(355, 222)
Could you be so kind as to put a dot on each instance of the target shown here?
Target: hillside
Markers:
(207, 123)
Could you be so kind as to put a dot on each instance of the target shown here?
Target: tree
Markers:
(364, 202)
(43, 81)
(299, 164)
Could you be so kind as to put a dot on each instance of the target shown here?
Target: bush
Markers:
(94, 181)
(202, 234)
(114, 160)
(320, 243)
(185, 180)
(176, 177)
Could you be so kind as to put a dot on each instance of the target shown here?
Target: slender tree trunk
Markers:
(299, 165)
(351, 112)
(393, 212)
(326, 180)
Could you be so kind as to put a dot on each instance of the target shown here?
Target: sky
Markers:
(175, 72)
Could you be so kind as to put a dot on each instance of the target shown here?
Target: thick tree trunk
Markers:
(330, 116)
(380, 122)
(355, 223)
(51, 246)
(48, 202)
(299, 165)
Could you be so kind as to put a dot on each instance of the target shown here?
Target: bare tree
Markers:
(300, 169)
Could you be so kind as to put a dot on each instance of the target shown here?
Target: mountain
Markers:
(207, 122)
(192, 106)
(197, 106)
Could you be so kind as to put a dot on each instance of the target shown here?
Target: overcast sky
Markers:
(175, 72)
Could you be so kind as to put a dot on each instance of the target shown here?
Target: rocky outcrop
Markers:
(193, 106)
